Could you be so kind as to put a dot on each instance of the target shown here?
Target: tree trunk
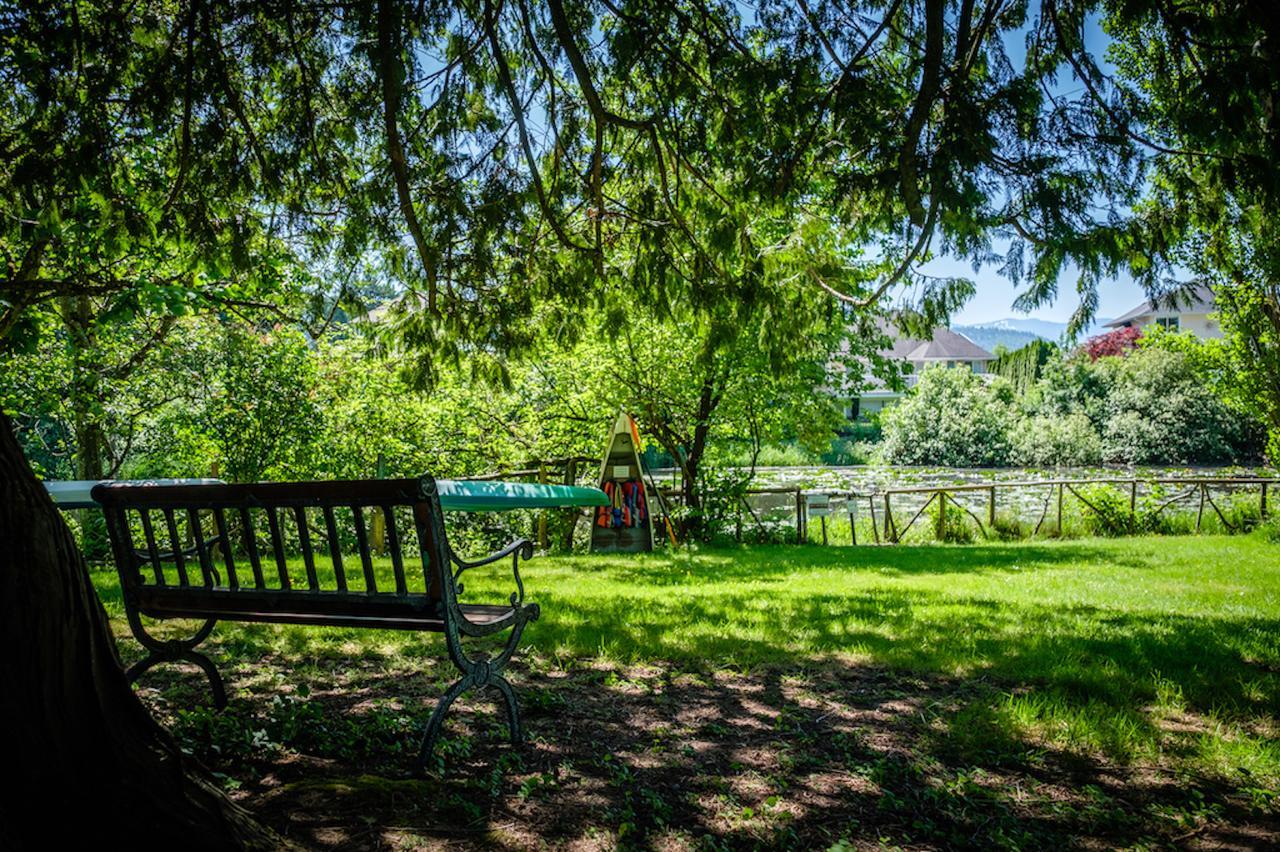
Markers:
(85, 398)
(78, 742)
(708, 400)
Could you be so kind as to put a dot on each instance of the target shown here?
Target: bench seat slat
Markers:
(350, 609)
(428, 625)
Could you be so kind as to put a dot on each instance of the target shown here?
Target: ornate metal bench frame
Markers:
(242, 598)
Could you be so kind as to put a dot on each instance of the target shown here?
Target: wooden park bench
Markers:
(221, 553)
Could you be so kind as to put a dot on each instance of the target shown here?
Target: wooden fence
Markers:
(880, 504)
(885, 527)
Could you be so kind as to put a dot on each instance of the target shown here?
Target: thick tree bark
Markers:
(78, 742)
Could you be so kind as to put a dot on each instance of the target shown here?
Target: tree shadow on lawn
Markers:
(886, 713)
(919, 716)
(650, 755)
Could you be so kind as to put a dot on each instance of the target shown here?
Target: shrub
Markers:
(1011, 528)
(1270, 529)
(1155, 406)
(1158, 411)
(1107, 511)
(951, 417)
(1069, 440)
(848, 451)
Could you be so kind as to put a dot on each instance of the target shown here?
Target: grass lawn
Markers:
(1120, 692)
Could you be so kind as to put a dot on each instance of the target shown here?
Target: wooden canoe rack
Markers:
(627, 528)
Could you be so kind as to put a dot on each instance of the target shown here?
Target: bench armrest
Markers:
(518, 549)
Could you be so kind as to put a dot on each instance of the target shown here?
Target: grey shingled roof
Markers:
(946, 345)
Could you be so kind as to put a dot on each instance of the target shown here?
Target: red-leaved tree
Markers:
(1122, 341)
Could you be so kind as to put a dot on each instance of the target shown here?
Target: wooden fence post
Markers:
(889, 531)
(1262, 508)
(853, 519)
(571, 478)
(875, 525)
(1061, 486)
(1200, 512)
(1133, 502)
(991, 509)
(941, 533)
(379, 531)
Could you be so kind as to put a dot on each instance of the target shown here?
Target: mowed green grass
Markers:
(1161, 650)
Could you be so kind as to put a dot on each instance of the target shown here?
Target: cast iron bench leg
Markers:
(174, 651)
(477, 674)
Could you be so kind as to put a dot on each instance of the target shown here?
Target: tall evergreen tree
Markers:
(500, 161)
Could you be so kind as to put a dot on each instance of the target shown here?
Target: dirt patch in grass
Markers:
(815, 755)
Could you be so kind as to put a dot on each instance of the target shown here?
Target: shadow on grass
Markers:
(876, 711)
(651, 756)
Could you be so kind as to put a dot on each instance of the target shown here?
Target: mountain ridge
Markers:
(1016, 332)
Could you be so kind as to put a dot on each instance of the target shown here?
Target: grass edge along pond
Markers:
(1162, 651)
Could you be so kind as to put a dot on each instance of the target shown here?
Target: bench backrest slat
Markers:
(427, 547)
(393, 544)
(202, 550)
(153, 552)
(277, 547)
(304, 542)
(223, 525)
(175, 547)
(251, 548)
(366, 559)
(335, 548)
(228, 558)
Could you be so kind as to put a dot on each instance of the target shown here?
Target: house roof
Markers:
(946, 345)
(1199, 299)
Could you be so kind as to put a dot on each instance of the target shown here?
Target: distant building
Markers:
(1178, 312)
(947, 349)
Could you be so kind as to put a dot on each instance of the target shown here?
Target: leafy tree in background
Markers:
(1023, 367)
(700, 390)
(1156, 405)
(1159, 411)
(1196, 91)
(1112, 344)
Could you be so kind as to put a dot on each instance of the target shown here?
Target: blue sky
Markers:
(995, 293)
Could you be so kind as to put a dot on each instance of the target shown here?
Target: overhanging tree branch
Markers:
(390, 71)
